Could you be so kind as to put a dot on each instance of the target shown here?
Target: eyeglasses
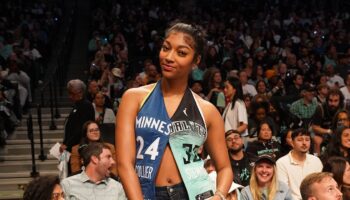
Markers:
(57, 196)
(94, 130)
(236, 137)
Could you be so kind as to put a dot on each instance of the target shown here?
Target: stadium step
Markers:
(16, 159)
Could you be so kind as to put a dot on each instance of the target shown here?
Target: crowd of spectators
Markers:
(26, 36)
(278, 71)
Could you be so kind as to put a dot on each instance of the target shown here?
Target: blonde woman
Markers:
(263, 182)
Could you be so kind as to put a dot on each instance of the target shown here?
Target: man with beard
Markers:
(94, 181)
(322, 119)
(241, 162)
(298, 163)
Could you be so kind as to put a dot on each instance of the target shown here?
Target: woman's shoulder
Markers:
(138, 93)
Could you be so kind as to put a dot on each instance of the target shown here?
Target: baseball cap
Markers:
(266, 157)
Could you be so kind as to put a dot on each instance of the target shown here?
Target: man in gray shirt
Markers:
(94, 182)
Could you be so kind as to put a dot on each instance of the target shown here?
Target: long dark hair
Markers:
(85, 139)
(336, 165)
(334, 147)
(236, 84)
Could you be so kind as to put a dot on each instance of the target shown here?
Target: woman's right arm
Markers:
(125, 143)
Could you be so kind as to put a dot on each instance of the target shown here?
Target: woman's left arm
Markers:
(216, 147)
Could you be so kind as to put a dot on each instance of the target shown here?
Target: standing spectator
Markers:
(241, 162)
(82, 111)
(235, 114)
(322, 119)
(298, 163)
(94, 182)
(44, 188)
(320, 186)
(263, 183)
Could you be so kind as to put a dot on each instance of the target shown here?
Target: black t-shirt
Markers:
(242, 169)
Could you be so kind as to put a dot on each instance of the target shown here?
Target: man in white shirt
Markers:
(298, 163)
(247, 88)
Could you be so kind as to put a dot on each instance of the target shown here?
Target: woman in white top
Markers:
(103, 115)
(235, 114)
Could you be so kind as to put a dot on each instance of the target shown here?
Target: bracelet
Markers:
(220, 194)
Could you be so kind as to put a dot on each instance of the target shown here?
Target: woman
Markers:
(103, 115)
(260, 111)
(339, 144)
(265, 143)
(91, 133)
(235, 114)
(263, 182)
(212, 81)
(340, 169)
(44, 188)
(164, 124)
(341, 118)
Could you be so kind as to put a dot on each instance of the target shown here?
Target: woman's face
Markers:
(99, 99)
(217, 77)
(265, 132)
(57, 193)
(264, 172)
(260, 114)
(261, 87)
(93, 132)
(343, 119)
(176, 56)
(346, 175)
(229, 90)
(345, 138)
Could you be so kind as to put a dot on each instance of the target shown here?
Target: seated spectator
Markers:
(334, 80)
(196, 87)
(298, 163)
(295, 89)
(265, 143)
(341, 118)
(346, 91)
(305, 107)
(340, 169)
(322, 119)
(233, 193)
(44, 188)
(213, 87)
(22, 79)
(322, 93)
(92, 90)
(259, 113)
(339, 144)
(103, 115)
(286, 142)
(247, 88)
(262, 88)
(263, 183)
(91, 133)
(320, 186)
(94, 182)
(241, 162)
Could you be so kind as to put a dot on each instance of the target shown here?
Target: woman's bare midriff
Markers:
(168, 173)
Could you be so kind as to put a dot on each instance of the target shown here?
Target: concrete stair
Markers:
(15, 157)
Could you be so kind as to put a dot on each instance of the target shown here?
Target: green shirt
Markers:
(302, 110)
